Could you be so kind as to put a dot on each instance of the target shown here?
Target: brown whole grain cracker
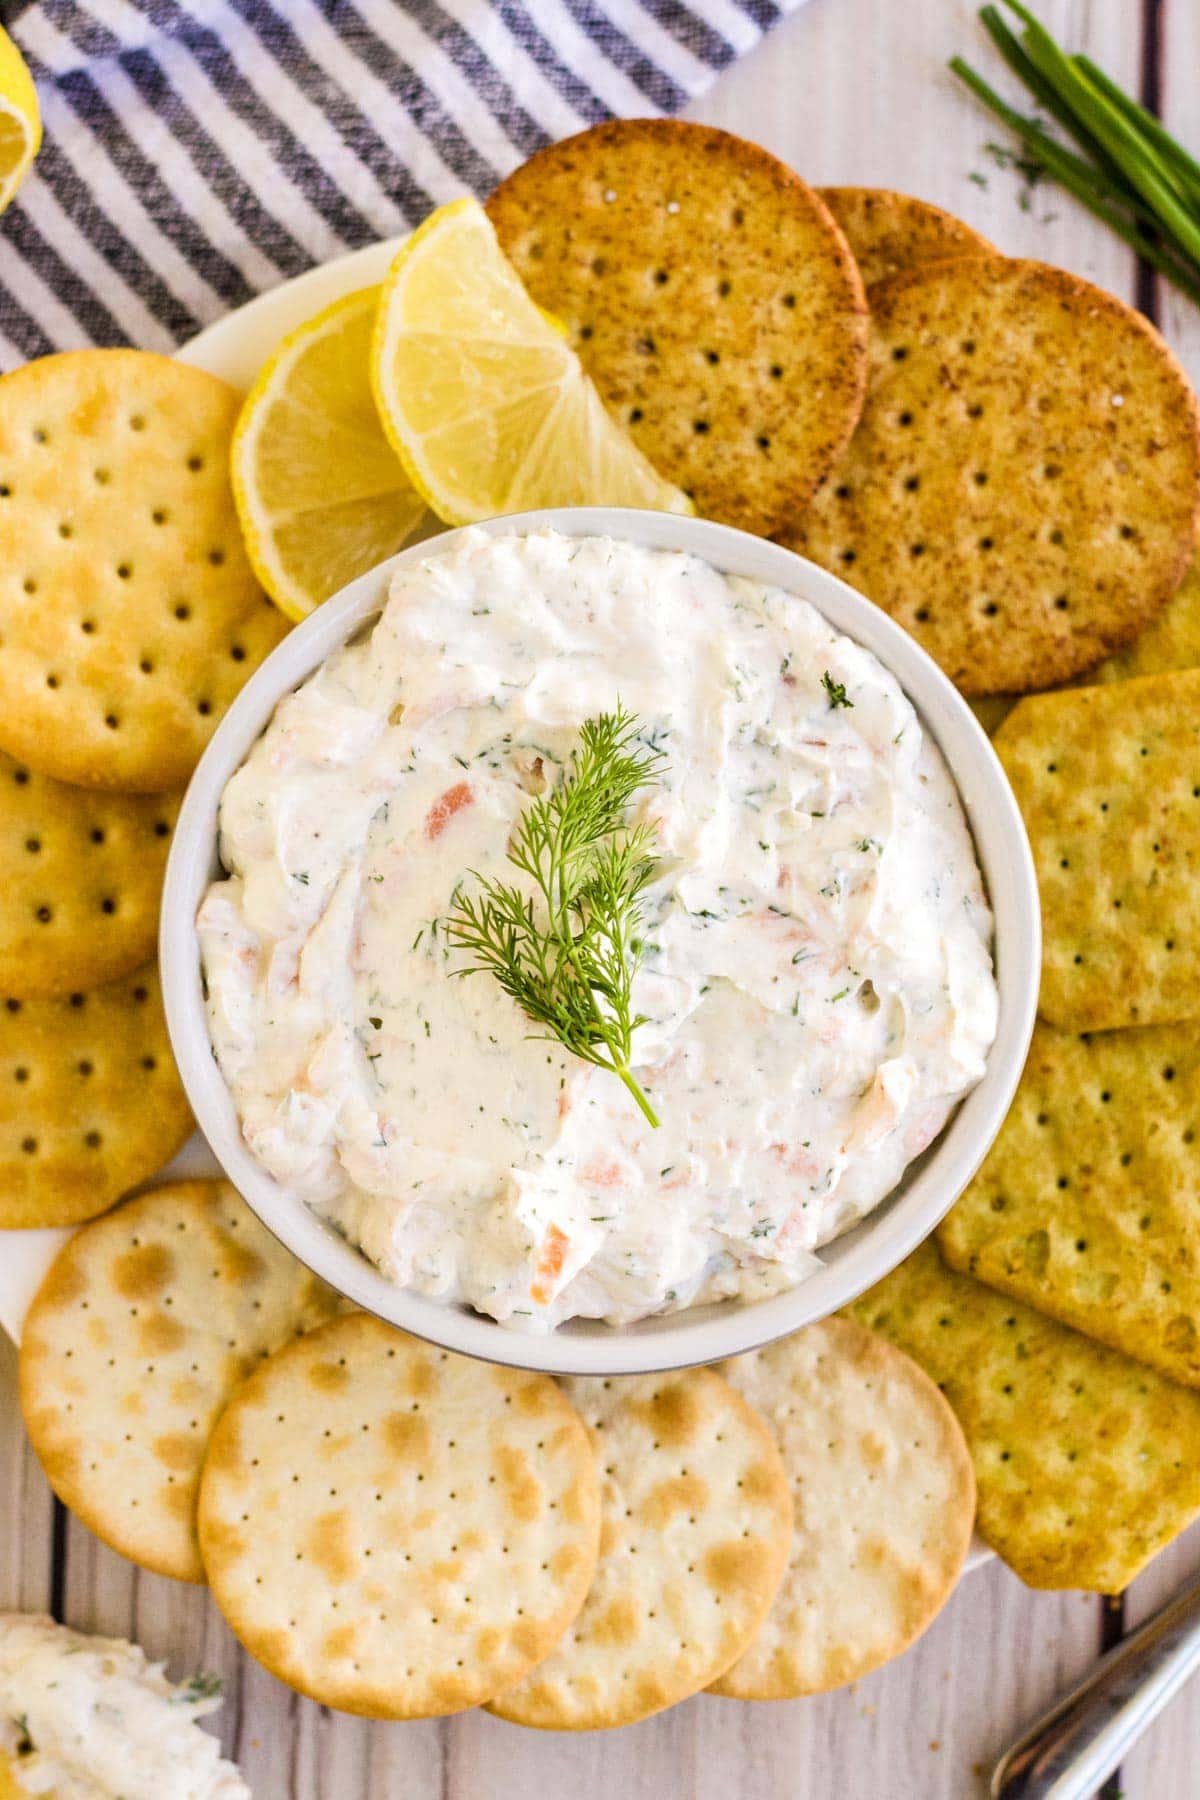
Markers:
(1171, 641)
(1108, 782)
(884, 1494)
(433, 1521)
(1086, 1203)
(890, 232)
(144, 1325)
(697, 1527)
(711, 298)
(129, 616)
(1021, 492)
(1086, 1464)
(81, 873)
(90, 1100)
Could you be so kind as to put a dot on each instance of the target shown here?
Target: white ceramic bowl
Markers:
(852, 1262)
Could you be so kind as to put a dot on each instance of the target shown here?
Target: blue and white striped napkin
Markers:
(199, 151)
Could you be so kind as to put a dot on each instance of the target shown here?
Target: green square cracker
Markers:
(1087, 1464)
(1108, 781)
(1086, 1206)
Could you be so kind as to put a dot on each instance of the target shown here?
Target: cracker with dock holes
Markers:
(81, 873)
(1171, 642)
(143, 1327)
(1108, 782)
(1086, 1203)
(889, 232)
(884, 1494)
(1021, 493)
(90, 1100)
(711, 298)
(697, 1528)
(1086, 1463)
(129, 615)
(433, 1521)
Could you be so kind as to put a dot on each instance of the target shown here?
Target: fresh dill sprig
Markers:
(568, 954)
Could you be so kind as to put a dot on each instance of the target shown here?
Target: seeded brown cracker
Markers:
(884, 1494)
(1086, 1463)
(144, 1325)
(1086, 1203)
(697, 1526)
(710, 296)
(1171, 642)
(90, 1100)
(889, 232)
(433, 1521)
(1108, 782)
(129, 616)
(81, 874)
(1021, 492)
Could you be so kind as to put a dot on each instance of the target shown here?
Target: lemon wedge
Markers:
(320, 493)
(20, 119)
(485, 404)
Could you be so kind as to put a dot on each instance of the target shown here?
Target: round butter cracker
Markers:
(129, 615)
(884, 1493)
(90, 1100)
(890, 232)
(393, 1530)
(711, 298)
(142, 1329)
(81, 873)
(1021, 493)
(697, 1527)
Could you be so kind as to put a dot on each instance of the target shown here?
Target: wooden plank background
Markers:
(847, 91)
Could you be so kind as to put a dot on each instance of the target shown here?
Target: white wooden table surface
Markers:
(847, 91)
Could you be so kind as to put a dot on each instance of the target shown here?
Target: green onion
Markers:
(1129, 171)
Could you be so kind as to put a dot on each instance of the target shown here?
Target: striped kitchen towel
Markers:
(199, 151)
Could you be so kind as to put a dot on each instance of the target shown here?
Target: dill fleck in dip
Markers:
(813, 986)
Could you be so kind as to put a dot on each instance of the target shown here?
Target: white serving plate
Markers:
(234, 348)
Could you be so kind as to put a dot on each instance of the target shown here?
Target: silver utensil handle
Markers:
(1068, 1752)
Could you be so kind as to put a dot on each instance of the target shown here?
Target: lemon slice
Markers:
(20, 119)
(319, 490)
(485, 404)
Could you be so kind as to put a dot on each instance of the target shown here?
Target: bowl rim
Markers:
(852, 1262)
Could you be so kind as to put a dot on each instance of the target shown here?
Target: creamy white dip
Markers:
(816, 979)
(88, 1718)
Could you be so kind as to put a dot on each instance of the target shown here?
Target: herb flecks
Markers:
(568, 953)
(836, 690)
(197, 1688)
